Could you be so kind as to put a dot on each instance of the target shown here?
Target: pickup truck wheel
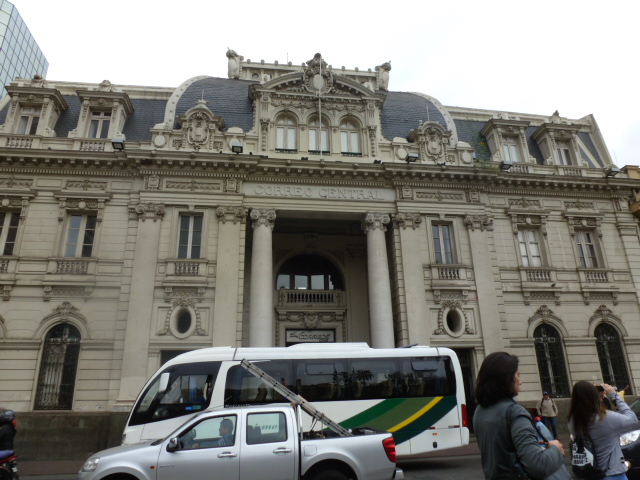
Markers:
(329, 475)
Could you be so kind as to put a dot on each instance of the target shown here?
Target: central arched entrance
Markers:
(311, 303)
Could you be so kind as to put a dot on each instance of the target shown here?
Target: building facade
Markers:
(289, 204)
(20, 56)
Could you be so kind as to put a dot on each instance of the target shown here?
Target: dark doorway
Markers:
(468, 379)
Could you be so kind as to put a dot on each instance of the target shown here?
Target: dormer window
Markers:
(511, 150)
(28, 121)
(103, 114)
(564, 154)
(99, 125)
(507, 139)
(558, 142)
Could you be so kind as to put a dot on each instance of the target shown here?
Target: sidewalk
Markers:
(49, 469)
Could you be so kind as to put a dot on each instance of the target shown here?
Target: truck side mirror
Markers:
(172, 446)
(164, 382)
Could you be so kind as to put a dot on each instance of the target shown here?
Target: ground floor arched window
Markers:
(551, 364)
(57, 378)
(611, 356)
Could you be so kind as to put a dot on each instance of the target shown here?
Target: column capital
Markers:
(232, 214)
(374, 220)
(144, 211)
(483, 222)
(405, 220)
(263, 216)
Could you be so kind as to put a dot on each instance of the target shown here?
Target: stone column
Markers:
(490, 299)
(140, 310)
(227, 310)
(380, 311)
(261, 310)
(413, 305)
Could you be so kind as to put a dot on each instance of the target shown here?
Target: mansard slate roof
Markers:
(229, 98)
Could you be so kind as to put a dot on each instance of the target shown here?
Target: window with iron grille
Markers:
(57, 378)
(551, 364)
(612, 358)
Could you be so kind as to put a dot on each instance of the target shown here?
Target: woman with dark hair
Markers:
(506, 435)
(588, 415)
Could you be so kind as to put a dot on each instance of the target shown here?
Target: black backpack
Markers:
(583, 458)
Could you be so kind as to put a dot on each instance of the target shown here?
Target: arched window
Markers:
(611, 356)
(309, 272)
(551, 365)
(350, 138)
(318, 137)
(286, 131)
(57, 377)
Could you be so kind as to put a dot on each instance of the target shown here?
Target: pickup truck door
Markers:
(208, 449)
(269, 451)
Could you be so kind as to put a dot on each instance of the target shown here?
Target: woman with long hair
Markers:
(588, 415)
(506, 435)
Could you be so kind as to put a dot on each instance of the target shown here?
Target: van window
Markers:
(189, 391)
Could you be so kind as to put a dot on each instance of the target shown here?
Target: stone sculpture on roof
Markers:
(383, 75)
(234, 63)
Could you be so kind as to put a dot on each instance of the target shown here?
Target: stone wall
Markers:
(44, 436)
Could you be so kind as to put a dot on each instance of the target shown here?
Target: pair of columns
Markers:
(261, 328)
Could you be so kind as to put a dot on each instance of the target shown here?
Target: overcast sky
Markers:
(577, 57)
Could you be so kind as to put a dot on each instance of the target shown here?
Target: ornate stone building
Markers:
(302, 203)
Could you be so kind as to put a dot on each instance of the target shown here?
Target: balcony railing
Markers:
(92, 145)
(448, 273)
(538, 275)
(72, 267)
(324, 298)
(519, 168)
(19, 142)
(187, 269)
(596, 276)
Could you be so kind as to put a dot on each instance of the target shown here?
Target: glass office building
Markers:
(20, 55)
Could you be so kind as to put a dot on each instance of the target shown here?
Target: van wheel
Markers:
(329, 475)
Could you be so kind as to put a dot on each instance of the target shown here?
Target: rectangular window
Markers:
(190, 236)
(563, 155)
(80, 236)
(99, 125)
(529, 248)
(8, 231)
(586, 250)
(28, 121)
(511, 153)
(443, 243)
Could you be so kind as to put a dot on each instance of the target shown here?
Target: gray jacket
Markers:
(605, 434)
(495, 442)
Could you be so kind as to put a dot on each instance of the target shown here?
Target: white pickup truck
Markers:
(249, 443)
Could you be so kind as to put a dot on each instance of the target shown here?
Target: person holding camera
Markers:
(589, 417)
